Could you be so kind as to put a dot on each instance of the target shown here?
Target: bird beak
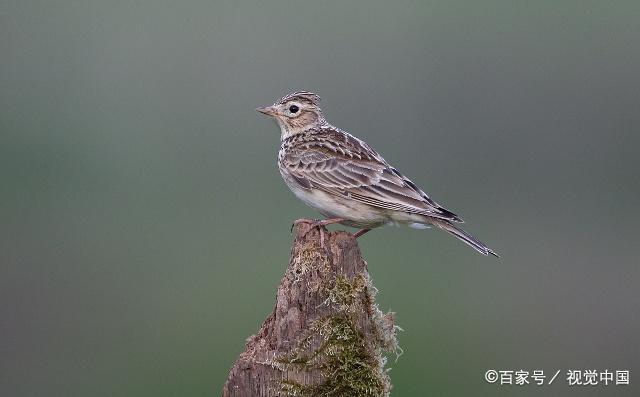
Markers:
(268, 110)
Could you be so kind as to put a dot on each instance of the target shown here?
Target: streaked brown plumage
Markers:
(345, 179)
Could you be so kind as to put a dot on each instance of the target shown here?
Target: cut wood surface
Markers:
(325, 336)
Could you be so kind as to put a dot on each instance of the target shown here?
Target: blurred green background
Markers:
(134, 168)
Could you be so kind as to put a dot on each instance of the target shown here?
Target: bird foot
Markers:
(320, 224)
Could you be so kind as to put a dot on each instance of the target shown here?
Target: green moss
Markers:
(309, 259)
(344, 293)
(348, 366)
(352, 364)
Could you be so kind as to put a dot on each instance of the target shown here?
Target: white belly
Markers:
(357, 214)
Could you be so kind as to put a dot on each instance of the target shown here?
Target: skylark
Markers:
(346, 180)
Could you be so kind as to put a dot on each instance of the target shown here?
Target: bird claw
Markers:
(320, 224)
(312, 222)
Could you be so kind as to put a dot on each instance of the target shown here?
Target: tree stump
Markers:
(325, 336)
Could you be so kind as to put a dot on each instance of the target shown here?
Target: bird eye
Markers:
(293, 108)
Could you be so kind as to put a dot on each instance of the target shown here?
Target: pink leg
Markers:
(360, 232)
(330, 221)
(317, 222)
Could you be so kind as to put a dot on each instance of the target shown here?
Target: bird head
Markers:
(295, 112)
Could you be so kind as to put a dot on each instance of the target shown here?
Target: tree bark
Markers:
(325, 336)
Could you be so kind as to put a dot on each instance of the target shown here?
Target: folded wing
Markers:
(345, 166)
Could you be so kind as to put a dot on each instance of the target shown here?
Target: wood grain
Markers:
(325, 336)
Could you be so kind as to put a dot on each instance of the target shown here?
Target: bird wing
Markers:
(345, 166)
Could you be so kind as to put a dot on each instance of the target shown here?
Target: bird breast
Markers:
(332, 206)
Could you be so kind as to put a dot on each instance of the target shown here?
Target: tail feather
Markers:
(465, 237)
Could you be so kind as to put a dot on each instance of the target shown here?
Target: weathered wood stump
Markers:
(325, 336)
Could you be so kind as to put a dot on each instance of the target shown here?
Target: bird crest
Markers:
(302, 96)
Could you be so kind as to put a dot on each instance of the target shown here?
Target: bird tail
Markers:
(465, 237)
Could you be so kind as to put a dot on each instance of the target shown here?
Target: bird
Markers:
(346, 180)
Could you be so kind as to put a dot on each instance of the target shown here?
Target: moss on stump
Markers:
(326, 335)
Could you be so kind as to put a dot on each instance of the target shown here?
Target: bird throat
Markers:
(298, 125)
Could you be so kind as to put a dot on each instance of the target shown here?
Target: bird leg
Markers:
(360, 232)
(319, 224)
